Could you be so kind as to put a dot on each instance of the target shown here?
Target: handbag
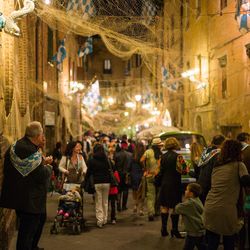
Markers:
(181, 165)
(158, 179)
(89, 185)
(113, 180)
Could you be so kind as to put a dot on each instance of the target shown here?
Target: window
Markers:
(106, 84)
(137, 60)
(198, 8)
(128, 68)
(85, 63)
(50, 44)
(224, 83)
(167, 36)
(198, 124)
(223, 65)
(187, 13)
(200, 66)
(107, 67)
(189, 82)
(223, 4)
(172, 30)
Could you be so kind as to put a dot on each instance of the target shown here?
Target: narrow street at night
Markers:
(132, 232)
(124, 124)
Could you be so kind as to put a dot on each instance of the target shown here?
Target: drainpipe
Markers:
(181, 107)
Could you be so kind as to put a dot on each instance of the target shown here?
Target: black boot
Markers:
(164, 222)
(175, 232)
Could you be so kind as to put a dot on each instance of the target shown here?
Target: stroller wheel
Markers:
(76, 228)
(54, 229)
(79, 229)
(82, 224)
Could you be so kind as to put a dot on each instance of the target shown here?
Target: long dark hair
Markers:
(157, 152)
(98, 151)
(230, 151)
(69, 148)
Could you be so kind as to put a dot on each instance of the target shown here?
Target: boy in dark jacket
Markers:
(192, 210)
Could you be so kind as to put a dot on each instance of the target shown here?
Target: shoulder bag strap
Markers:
(64, 178)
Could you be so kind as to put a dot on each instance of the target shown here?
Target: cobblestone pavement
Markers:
(132, 232)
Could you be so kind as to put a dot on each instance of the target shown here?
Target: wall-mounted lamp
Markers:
(248, 49)
(223, 61)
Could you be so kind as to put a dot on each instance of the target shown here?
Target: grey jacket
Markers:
(192, 210)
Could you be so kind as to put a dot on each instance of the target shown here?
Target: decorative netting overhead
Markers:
(126, 27)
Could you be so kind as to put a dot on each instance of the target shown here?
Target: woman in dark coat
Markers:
(99, 167)
(171, 169)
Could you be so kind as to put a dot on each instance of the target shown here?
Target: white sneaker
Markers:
(99, 224)
(113, 222)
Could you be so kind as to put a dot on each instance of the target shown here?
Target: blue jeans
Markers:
(30, 230)
(213, 240)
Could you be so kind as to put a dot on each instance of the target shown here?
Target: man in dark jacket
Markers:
(25, 183)
(207, 162)
(122, 162)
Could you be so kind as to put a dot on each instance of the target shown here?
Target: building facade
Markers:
(217, 94)
(31, 88)
(173, 60)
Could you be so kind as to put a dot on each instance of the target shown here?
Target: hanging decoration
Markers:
(167, 80)
(243, 15)
(92, 100)
(149, 11)
(2, 21)
(85, 8)
(60, 55)
(86, 49)
(164, 73)
(8, 23)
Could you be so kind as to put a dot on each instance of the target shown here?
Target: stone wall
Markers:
(7, 217)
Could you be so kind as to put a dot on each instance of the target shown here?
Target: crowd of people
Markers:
(108, 166)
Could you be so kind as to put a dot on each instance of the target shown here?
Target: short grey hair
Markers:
(33, 129)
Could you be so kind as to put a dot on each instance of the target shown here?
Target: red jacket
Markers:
(114, 190)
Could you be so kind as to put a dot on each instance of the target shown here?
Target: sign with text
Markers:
(50, 118)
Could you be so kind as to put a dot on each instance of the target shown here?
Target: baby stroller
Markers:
(69, 213)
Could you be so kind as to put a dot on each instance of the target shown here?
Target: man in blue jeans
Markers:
(25, 183)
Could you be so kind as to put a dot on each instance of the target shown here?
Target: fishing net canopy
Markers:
(126, 27)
